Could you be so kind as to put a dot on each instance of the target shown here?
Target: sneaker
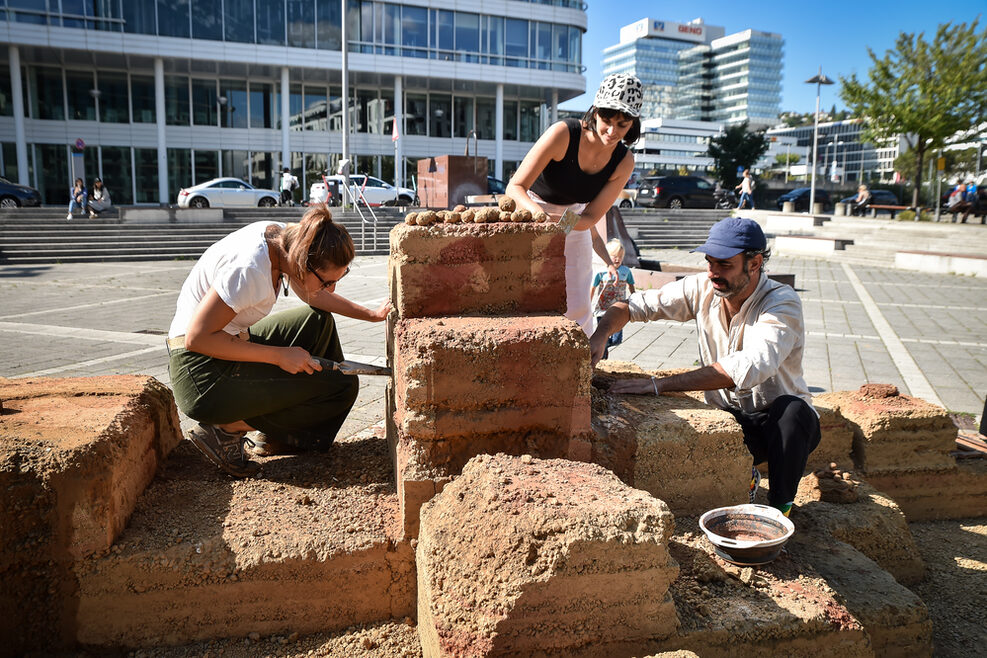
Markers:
(68, 216)
(225, 449)
(263, 445)
(92, 215)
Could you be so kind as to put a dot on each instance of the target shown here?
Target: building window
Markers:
(236, 164)
(516, 42)
(270, 22)
(173, 18)
(416, 114)
(463, 123)
(46, 93)
(329, 25)
(142, 98)
(486, 116)
(510, 120)
(443, 40)
(179, 171)
(414, 30)
(494, 40)
(263, 170)
(146, 175)
(138, 16)
(176, 100)
(208, 23)
(301, 23)
(113, 99)
(233, 114)
(205, 102)
(262, 112)
(52, 166)
(316, 108)
(468, 36)
(82, 105)
(116, 173)
(530, 121)
(206, 165)
(239, 21)
(440, 120)
(9, 170)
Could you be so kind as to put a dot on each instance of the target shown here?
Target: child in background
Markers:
(606, 290)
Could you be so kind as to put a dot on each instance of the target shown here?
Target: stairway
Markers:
(43, 235)
(662, 228)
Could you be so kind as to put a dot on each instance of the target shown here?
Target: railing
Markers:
(356, 201)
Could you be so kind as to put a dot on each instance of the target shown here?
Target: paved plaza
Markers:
(925, 333)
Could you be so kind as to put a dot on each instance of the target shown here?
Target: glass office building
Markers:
(156, 95)
(692, 72)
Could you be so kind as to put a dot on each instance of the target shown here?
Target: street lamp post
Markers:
(818, 80)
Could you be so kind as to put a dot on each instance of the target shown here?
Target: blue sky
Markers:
(835, 35)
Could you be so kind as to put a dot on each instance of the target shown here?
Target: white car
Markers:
(374, 190)
(226, 193)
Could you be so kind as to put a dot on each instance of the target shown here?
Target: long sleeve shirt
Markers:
(761, 348)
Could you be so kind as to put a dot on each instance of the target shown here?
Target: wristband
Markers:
(654, 382)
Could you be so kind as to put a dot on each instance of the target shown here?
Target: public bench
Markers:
(874, 208)
(809, 244)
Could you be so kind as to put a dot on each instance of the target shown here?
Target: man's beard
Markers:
(732, 288)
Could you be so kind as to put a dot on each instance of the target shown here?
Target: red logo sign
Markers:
(690, 29)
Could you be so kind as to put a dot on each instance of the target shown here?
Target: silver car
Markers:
(226, 193)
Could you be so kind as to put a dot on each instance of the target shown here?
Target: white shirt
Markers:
(238, 268)
(288, 181)
(761, 349)
(745, 185)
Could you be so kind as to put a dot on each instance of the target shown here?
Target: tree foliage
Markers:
(735, 147)
(787, 158)
(925, 91)
(959, 164)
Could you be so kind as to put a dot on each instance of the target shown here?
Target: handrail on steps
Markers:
(363, 219)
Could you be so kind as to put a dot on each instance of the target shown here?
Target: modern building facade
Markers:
(843, 155)
(692, 71)
(156, 95)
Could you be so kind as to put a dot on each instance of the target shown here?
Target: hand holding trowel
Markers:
(568, 220)
(353, 367)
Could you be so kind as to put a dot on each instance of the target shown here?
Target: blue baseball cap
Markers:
(729, 237)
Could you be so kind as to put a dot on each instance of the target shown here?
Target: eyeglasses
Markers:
(324, 285)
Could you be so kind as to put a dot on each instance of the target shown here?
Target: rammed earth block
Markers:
(479, 269)
(75, 454)
(520, 556)
(470, 377)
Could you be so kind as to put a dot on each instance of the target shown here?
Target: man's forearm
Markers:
(614, 319)
(708, 378)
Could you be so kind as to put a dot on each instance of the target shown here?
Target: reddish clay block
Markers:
(467, 377)
(894, 432)
(525, 557)
(485, 269)
(75, 454)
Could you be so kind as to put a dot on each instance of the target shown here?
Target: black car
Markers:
(800, 196)
(676, 192)
(13, 195)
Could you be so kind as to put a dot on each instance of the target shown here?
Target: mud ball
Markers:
(521, 215)
(467, 216)
(507, 203)
(504, 216)
(427, 217)
(411, 218)
(540, 216)
(453, 217)
(459, 208)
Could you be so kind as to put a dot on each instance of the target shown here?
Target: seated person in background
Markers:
(751, 338)
(77, 197)
(607, 290)
(861, 201)
(971, 201)
(99, 199)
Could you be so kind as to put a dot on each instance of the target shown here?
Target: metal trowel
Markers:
(568, 220)
(354, 367)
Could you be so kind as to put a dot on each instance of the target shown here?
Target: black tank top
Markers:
(564, 183)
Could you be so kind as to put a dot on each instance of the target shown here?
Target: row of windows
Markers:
(373, 27)
(131, 174)
(119, 97)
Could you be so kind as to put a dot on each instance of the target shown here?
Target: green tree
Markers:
(924, 91)
(960, 164)
(735, 147)
(787, 158)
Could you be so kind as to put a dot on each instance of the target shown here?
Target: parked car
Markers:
(496, 186)
(375, 191)
(675, 192)
(877, 197)
(13, 195)
(226, 193)
(800, 196)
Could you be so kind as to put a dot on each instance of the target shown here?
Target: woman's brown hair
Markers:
(317, 242)
(633, 133)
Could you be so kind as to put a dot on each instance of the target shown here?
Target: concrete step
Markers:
(309, 547)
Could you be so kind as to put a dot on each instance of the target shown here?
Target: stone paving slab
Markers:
(90, 319)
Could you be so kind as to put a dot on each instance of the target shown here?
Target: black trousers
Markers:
(783, 435)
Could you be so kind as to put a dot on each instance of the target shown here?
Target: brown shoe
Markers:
(225, 449)
(263, 445)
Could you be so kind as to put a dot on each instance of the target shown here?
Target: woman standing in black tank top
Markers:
(583, 165)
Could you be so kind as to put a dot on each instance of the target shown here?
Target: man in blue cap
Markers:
(751, 338)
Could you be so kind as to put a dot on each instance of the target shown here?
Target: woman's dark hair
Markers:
(317, 242)
(633, 133)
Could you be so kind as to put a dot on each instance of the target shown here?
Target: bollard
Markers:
(788, 206)
(818, 208)
(839, 210)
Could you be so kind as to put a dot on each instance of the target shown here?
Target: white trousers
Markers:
(578, 267)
